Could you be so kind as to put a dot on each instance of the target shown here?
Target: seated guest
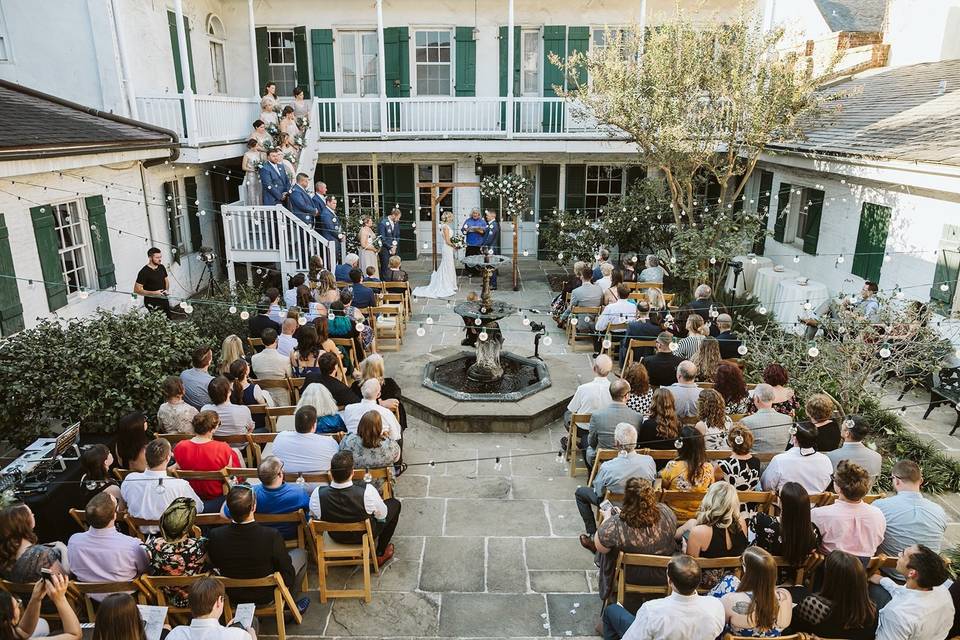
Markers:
(290, 293)
(174, 415)
(643, 525)
(689, 472)
(175, 552)
(771, 429)
(95, 462)
(203, 453)
(370, 275)
(246, 393)
(256, 324)
(707, 359)
(628, 266)
(371, 449)
(245, 549)
(842, 608)
(682, 615)
(603, 423)
(742, 468)
(652, 271)
(621, 311)
(371, 395)
(372, 367)
(605, 279)
(304, 359)
(696, 331)
(713, 423)
(363, 296)
(603, 257)
(612, 476)
(662, 365)
(350, 262)
(304, 450)
(659, 310)
(702, 304)
(559, 305)
(717, 531)
(206, 606)
(196, 379)
(853, 430)
(345, 501)
(685, 390)
(19, 622)
(850, 524)
(230, 350)
(273, 297)
(729, 342)
(820, 408)
(394, 272)
(911, 518)
(149, 493)
(642, 328)
(589, 397)
(662, 426)
(319, 398)
(235, 419)
(754, 605)
(131, 442)
(21, 558)
(101, 553)
(801, 463)
(327, 364)
(286, 342)
(585, 295)
(641, 393)
(270, 364)
(118, 617)
(274, 495)
(922, 608)
(784, 399)
(792, 535)
(728, 382)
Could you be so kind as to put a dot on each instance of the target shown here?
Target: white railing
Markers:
(444, 116)
(224, 118)
(164, 111)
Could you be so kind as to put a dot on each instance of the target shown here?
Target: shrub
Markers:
(213, 320)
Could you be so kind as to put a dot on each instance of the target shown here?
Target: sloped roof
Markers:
(896, 114)
(36, 123)
(853, 15)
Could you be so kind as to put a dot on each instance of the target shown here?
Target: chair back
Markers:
(218, 475)
(625, 560)
(255, 343)
(635, 343)
(275, 412)
(602, 456)
(24, 590)
(84, 590)
(80, 517)
(330, 553)
(573, 447)
(388, 325)
(160, 587)
(282, 599)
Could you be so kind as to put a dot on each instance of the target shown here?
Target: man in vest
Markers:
(345, 501)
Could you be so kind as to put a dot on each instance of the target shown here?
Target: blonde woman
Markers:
(443, 281)
(319, 397)
(707, 358)
(696, 331)
(267, 114)
(368, 253)
(327, 292)
(372, 367)
(717, 531)
(230, 350)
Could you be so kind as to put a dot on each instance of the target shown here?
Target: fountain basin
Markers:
(451, 376)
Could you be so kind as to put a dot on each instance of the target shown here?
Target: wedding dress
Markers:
(443, 281)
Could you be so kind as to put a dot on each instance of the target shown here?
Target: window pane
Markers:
(421, 38)
(446, 172)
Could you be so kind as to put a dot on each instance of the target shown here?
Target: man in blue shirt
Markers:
(911, 518)
(474, 229)
(362, 296)
(276, 184)
(490, 238)
(342, 272)
(868, 306)
(274, 495)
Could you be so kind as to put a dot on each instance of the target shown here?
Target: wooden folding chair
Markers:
(376, 473)
(160, 588)
(275, 412)
(625, 560)
(822, 499)
(705, 385)
(281, 599)
(80, 517)
(296, 384)
(804, 572)
(602, 456)
(136, 526)
(351, 349)
(573, 450)
(398, 301)
(24, 590)
(573, 337)
(761, 501)
(333, 554)
(273, 385)
(388, 325)
(635, 344)
(689, 420)
(249, 453)
(219, 475)
(255, 343)
(792, 636)
(172, 438)
(121, 474)
(85, 589)
(261, 440)
(615, 335)
(403, 288)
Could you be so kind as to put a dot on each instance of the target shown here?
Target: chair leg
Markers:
(321, 576)
(367, 595)
(281, 624)
(933, 405)
(906, 388)
(957, 423)
(572, 448)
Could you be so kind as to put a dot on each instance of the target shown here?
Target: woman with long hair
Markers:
(713, 423)
(174, 415)
(322, 325)
(842, 608)
(820, 408)
(754, 605)
(319, 397)
(729, 383)
(793, 535)
(327, 292)
(230, 351)
(118, 618)
(662, 426)
(696, 331)
(717, 531)
(689, 472)
(643, 525)
(301, 107)
(784, 399)
(659, 310)
(707, 358)
(288, 124)
(373, 367)
(641, 393)
(368, 252)
(95, 463)
(21, 558)
(370, 447)
(610, 293)
(19, 623)
(174, 551)
(242, 391)
(130, 444)
(304, 357)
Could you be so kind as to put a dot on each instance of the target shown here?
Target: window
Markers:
(6, 54)
(603, 184)
(283, 61)
(599, 38)
(433, 63)
(177, 214)
(530, 62)
(218, 67)
(358, 63)
(807, 201)
(360, 188)
(434, 173)
(73, 246)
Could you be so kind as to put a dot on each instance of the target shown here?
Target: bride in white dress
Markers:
(443, 281)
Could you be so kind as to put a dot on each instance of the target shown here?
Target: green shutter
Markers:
(175, 46)
(578, 39)
(554, 41)
(176, 239)
(49, 251)
(11, 311)
(324, 76)
(503, 73)
(190, 191)
(466, 55)
(193, 74)
(811, 235)
(871, 241)
(301, 59)
(396, 58)
(783, 207)
(100, 239)
(399, 190)
(763, 208)
(549, 200)
(332, 176)
(576, 198)
(948, 267)
(263, 58)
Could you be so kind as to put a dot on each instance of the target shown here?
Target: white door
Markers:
(527, 241)
(531, 112)
(358, 79)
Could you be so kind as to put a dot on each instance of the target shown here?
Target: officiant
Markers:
(474, 229)
(490, 240)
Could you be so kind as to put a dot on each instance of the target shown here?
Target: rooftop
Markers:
(853, 15)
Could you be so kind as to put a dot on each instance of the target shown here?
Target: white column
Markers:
(510, 114)
(643, 24)
(124, 62)
(562, 193)
(189, 108)
(254, 65)
(769, 8)
(381, 70)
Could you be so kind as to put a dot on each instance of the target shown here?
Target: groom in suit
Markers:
(301, 201)
(276, 184)
(389, 232)
(490, 237)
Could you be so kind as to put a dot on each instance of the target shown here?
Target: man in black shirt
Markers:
(729, 342)
(327, 363)
(256, 324)
(153, 283)
(662, 366)
(641, 329)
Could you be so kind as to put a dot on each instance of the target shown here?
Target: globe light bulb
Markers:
(331, 317)
(574, 322)
(762, 311)
(477, 321)
(483, 336)
(232, 309)
(813, 352)
(742, 349)
(606, 344)
(944, 287)
(840, 259)
(886, 257)
(429, 319)
(244, 315)
(302, 320)
(421, 331)
(526, 321)
(796, 259)
(753, 261)
(884, 352)
(547, 341)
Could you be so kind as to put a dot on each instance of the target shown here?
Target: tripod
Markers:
(215, 287)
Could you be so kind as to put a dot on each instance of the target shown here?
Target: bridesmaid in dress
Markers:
(301, 108)
(288, 123)
(368, 254)
(253, 190)
(267, 114)
(260, 134)
(269, 99)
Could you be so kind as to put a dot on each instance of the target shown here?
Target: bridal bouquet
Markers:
(301, 122)
(273, 129)
(377, 243)
(298, 140)
(458, 242)
(257, 165)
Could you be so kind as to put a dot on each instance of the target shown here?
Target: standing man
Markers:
(490, 237)
(474, 229)
(153, 283)
(301, 201)
(389, 232)
(273, 177)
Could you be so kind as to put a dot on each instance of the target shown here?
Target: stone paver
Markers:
(493, 614)
(496, 517)
(453, 564)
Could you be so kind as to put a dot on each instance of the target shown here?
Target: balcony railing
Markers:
(200, 119)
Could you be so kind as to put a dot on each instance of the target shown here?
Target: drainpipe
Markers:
(381, 70)
(254, 65)
(146, 202)
(124, 62)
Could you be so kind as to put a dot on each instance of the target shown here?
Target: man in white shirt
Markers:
(685, 391)
(623, 310)
(286, 343)
(683, 615)
(352, 413)
(206, 605)
(590, 396)
(235, 419)
(304, 450)
(922, 609)
(801, 464)
(149, 493)
(270, 364)
(853, 430)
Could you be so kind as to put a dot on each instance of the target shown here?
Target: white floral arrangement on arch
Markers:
(512, 189)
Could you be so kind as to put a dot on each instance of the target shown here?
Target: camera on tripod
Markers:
(206, 255)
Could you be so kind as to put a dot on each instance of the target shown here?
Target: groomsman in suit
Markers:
(490, 238)
(389, 232)
(276, 184)
(301, 200)
(326, 223)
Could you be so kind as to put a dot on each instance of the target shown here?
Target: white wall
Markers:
(801, 20)
(923, 31)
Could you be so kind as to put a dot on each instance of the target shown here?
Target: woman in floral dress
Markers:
(174, 552)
